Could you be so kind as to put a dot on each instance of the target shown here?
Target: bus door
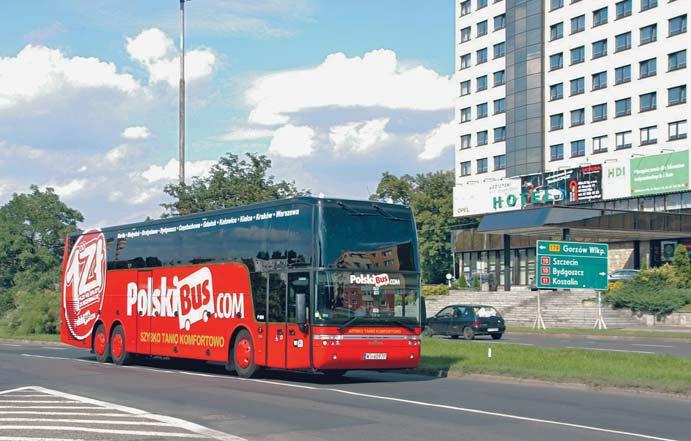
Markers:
(143, 317)
(276, 329)
(297, 342)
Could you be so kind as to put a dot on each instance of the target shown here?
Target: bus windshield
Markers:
(371, 298)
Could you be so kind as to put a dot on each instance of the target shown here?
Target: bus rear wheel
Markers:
(118, 352)
(101, 344)
(243, 355)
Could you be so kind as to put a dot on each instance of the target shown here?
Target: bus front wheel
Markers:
(243, 355)
(118, 352)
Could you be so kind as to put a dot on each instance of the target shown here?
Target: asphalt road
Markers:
(297, 406)
(645, 345)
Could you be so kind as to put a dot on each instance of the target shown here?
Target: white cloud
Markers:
(247, 135)
(375, 80)
(136, 132)
(359, 137)
(69, 189)
(169, 171)
(438, 140)
(39, 71)
(157, 53)
(117, 154)
(292, 141)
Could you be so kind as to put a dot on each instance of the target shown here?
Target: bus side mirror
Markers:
(301, 308)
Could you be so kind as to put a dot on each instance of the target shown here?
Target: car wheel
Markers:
(118, 352)
(454, 337)
(468, 333)
(496, 336)
(428, 332)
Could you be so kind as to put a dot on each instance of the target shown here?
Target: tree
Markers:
(430, 197)
(682, 267)
(231, 182)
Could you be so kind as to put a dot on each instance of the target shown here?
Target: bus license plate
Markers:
(375, 356)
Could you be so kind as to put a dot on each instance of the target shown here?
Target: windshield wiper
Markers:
(405, 325)
(387, 214)
(348, 323)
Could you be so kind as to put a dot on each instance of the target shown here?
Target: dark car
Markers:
(468, 321)
(623, 274)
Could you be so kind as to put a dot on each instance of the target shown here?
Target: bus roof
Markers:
(307, 200)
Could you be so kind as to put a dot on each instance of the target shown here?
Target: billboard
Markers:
(660, 173)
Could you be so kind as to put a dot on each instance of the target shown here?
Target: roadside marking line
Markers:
(413, 402)
(25, 396)
(52, 407)
(102, 430)
(53, 347)
(72, 420)
(39, 401)
(608, 350)
(30, 412)
(25, 438)
(197, 429)
(652, 346)
(10, 344)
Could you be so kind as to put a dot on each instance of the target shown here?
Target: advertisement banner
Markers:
(616, 180)
(660, 173)
(487, 197)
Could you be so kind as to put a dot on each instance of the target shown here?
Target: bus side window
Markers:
(259, 284)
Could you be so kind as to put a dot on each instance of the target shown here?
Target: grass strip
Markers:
(4, 333)
(661, 373)
(604, 332)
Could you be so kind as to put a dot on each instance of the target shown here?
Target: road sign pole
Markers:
(539, 322)
(600, 322)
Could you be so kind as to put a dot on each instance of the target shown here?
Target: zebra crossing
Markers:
(35, 413)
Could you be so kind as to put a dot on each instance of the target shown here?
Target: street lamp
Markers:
(182, 94)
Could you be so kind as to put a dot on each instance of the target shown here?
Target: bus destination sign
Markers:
(571, 265)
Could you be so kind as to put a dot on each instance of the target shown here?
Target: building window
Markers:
(556, 122)
(465, 168)
(577, 86)
(481, 56)
(677, 25)
(648, 34)
(556, 61)
(648, 4)
(600, 112)
(465, 142)
(499, 22)
(623, 140)
(499, 134)
(648, 101)
(465, 115)
(578, 55)
(481, 83)
(622, 42)
(600, 144)
(600, 16)
(556, 91)
(600, 80)
(577, 117)
(649, 135)
(556, 152)
(648, 68)
(481, 4)
(500, 162)
(622, 74)
(465, 61)
(677, 60)
(676, 95)
(578, 24)
(465, 88)
(599, 49)
(624, 8)
(482, 138)
(677, 130)
(481, 165)
(556, 31)
(578, 148)
(481, 111)
(499, 50)
(499, 106)
(482, 28)
(499, 78)
(555, 4)
(465, 34)
(622, 107)
(465, 8)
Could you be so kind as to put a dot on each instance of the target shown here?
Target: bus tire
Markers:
(243, 355)
(101, 345)
(118, 352)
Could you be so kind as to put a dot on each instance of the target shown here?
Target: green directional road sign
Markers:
(571, 265)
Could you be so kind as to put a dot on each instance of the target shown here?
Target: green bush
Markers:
(476, 283)
(460, 283)
(435, 290)
(36, 312)
(660, 302)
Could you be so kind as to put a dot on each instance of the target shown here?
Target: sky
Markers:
(335, 93)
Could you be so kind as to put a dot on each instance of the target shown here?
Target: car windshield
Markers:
(367, 298)
(485, 312)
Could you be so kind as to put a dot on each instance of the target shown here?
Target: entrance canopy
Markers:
(588, 224)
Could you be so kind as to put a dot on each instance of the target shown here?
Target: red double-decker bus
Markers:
(304, 283)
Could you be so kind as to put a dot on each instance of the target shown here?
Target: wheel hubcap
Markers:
(100, 343)
(243, 353)
(116, 345)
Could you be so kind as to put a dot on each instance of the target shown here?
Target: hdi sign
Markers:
(571, 265)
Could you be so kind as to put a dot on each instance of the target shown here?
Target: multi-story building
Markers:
(571, 102)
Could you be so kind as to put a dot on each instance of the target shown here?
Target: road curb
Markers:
(603, 337)
(42, 342)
